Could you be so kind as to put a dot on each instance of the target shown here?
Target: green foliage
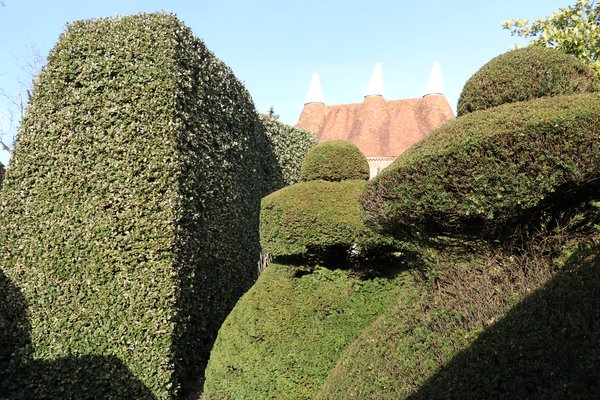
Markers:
(485, 327)
(2, 172)
(574, 30)
(284, 335)
(317, 218)
(488, 170)
(289, 146)
(129, 219)
(596, 204)
(335, 160)
(525, 74)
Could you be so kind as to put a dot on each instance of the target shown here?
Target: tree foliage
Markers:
(574, 29)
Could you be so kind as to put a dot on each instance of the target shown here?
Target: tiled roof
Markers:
(379, 127)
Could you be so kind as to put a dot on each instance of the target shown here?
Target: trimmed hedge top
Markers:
(129, 219)
(335, 160)
(321, 219)
(525, 74)
(289, 146)
(490, 169)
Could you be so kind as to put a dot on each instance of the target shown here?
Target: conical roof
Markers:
(375, 87)
(315, 93)
(435, 84)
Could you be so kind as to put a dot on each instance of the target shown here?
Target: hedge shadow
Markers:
(548, 347)
(83, 377)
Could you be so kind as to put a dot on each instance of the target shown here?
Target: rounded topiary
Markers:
(336, 160)
(491, 169)
(317, 219)
(525, 74)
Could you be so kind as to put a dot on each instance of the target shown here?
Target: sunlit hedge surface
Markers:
(525, 74)
(491, 168)
(318, 218)
(129, 217)
(334, 161)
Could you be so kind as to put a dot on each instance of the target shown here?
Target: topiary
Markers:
(129, 219)
(525, 74)
(285, 334)
(335, 160)
(491, 169)
(319, 219)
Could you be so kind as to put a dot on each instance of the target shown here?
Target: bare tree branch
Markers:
(4, 146)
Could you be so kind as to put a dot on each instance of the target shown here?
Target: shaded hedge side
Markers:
(484, 326)
(129, 220)
(2, 172)
(289, 146)
(487, 170)
(525, 74)
(334, 161)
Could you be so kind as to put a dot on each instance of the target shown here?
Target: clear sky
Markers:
(274, 46)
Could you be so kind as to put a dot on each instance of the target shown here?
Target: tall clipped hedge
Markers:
(492, 168)
(129, 220)
(289, 146)
(525, 74)
(334, 160)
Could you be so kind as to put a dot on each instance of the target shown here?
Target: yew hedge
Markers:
(525, 74)
(129, 218)
(491, 169)
(334, 161)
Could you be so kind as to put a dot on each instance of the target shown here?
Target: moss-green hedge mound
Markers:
(129, 218)
(491, 325)
(490, 169)
(525, 74)
(336, 160)
(316, 218)
(284, 335)
(289, 146)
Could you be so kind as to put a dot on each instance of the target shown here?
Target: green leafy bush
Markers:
(490, 169)
(336, 160)
(289, 146)
(317, 218)
(525, 74)
(285, 334)
(129, 220)
(486, 326)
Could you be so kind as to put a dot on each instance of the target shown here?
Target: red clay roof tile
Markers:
(379, 127)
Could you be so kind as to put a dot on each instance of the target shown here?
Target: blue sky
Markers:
(275, 46)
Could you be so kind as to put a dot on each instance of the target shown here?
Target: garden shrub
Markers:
(525, 74)
(130, 217)
(285, 334)
(289, 145)
(491, 169)
(492, 325)
(335, 160)
(317, 218)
